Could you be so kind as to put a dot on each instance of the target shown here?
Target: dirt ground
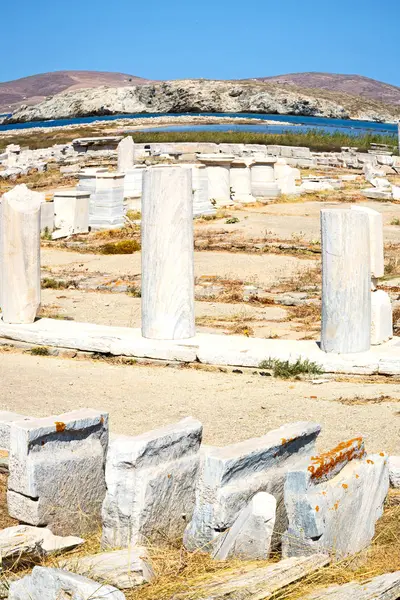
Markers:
(231, 406)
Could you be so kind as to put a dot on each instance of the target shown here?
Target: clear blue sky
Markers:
(221, 39)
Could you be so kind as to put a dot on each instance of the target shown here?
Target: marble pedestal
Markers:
(106, 206)
(71, 212)
(241, 181)
(263, 182)
(218, 166)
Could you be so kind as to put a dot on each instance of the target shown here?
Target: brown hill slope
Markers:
(355, 85)
(34, 89)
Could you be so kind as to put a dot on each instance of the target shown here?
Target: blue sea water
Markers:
(303, 124)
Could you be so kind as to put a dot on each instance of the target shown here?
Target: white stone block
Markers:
(56, 469)
(232, 475)
(338, 514)
(218, 167)
(151, 480)
(46, 216)
(125, 569)
(133, 182)
(240, 183)
(6, 420)
(54, 584)
(250, 536)
(394, 471)
(126, 154)
(71, 211)
(381, 317)
(20, 255)
(346, 277)
(106, 207)
(167, 254)
(23, 541)
(375, 240)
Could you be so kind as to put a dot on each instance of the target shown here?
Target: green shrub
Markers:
(39, 351)
(232, 220)
(283, 369)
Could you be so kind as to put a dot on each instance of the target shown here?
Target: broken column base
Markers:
(381, 317)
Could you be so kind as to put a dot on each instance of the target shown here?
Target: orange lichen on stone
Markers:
(357, 476)
(336, 506)
(344, 486)
(317, 508)
(60, 426)
(344, 452)
(381, 454)
(370, 462)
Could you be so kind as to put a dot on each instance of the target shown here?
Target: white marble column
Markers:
(20, 255)
(381, 306)
(263, 184)
(346, 275)
(241, 181)
(167, 254)
(71, 212)
(126, 154)
(218, 166)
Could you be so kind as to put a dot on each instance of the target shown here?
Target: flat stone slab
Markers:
(6, 419)
(211, 349)
(24, 541)
(55, 584)
(255, 583)
(384, 587)
(124, 569)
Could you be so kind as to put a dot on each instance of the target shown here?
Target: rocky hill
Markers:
(35, 89)
(207, 96)
(355, 85)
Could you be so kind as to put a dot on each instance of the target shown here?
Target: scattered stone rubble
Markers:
(244, 501)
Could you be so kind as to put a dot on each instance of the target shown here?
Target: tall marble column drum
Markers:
(20, 255)
(218, 167)
(346, 275)
(106, 206)
(263, 184)
(241, 181)
(167, 254)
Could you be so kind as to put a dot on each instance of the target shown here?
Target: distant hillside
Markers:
(36, 88)
(355, 85)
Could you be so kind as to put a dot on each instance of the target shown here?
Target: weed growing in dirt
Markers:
(39, 351)
(283, 369)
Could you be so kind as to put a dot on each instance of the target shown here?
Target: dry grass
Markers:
(305, 278)
(52, 178)
(307, 314)
(383, 556)
(361, 400)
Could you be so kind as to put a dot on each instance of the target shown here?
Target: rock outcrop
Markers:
(203, 96)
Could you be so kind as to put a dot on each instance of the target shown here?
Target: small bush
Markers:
(232, 220)
(395, 222)
(283, 369)
(122, 247)
(50, 283)
(39, 351)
